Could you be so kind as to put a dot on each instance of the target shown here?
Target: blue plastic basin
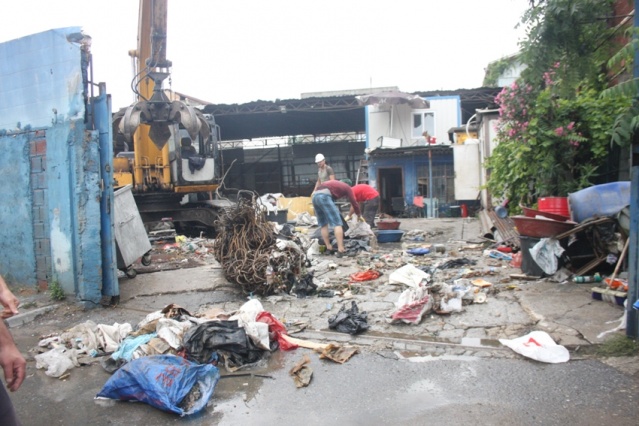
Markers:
(389, 236)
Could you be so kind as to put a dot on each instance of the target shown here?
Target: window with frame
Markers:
(423, 121)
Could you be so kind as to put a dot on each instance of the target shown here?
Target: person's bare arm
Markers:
(11, 360)
(8, 300)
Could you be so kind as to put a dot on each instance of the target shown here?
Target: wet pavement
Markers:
(392, 378)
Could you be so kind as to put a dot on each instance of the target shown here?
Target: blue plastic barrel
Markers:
(607, 199)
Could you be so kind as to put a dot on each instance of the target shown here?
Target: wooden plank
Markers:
(581, 227)
(524, 277)
(590, 265)
(304, 343)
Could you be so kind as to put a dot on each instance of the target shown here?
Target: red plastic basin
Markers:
(541, 228)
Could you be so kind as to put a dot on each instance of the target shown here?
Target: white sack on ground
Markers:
(539, 346)
(409, 275)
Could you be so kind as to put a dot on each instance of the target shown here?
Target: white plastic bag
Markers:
(539, 346)
(57, 361)
(545, 254)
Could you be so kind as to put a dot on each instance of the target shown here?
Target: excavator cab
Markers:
(194, 160)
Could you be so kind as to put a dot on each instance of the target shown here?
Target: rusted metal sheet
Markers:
(505, 227)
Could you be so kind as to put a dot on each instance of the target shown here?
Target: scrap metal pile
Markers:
(251, 254)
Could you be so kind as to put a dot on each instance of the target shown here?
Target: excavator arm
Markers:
(154, 108)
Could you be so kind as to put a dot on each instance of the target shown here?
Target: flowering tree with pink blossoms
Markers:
(554, 131)
(548, 145)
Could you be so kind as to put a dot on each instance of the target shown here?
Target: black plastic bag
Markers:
(304, 287)
(349, 321)
(224, 338)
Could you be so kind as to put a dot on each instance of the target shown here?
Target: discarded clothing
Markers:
(326, 293)
(110, 336)
(129, 345)
(455, 263)
(83, 337)
(413, 303)
(349, 321)
(367, 275)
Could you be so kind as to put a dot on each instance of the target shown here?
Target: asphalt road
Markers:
(380, 388)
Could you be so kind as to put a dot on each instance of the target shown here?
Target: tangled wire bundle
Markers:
(246, 248)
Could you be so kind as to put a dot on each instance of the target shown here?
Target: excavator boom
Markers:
(174, 165)
(154, 108)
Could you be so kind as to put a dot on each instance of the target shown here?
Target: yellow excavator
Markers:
(167, 150)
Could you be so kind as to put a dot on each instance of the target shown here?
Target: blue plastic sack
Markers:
(163, 381)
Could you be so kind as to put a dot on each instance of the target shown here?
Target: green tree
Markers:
(555, 128)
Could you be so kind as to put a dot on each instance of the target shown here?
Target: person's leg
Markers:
(326, 238)
(339, 236)
(370, 210)
(321, 204)
(8, 415)
(335, 220)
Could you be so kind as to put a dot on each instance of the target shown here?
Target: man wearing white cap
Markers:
(324, 173)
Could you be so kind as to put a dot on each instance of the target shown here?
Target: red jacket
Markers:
(364, 192)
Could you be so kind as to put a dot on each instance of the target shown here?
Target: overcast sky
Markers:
(237, 51)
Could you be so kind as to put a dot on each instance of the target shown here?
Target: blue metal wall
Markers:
(17, 260)
(50, 215)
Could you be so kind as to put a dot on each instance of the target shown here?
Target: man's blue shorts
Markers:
(326, 211)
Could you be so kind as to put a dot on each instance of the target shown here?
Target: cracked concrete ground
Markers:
(513, 307)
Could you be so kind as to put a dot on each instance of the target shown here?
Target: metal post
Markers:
(430, 179)
(632, 323)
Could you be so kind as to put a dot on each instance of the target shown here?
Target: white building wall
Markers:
(447, 114)
(391, 126)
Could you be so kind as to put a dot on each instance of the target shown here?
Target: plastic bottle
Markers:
(270, 275)
(587, 279)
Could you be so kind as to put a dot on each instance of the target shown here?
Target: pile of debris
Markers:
(252, 255)
(172, 358)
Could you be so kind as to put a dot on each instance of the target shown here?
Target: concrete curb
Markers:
(406, 344)
(27, 317)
